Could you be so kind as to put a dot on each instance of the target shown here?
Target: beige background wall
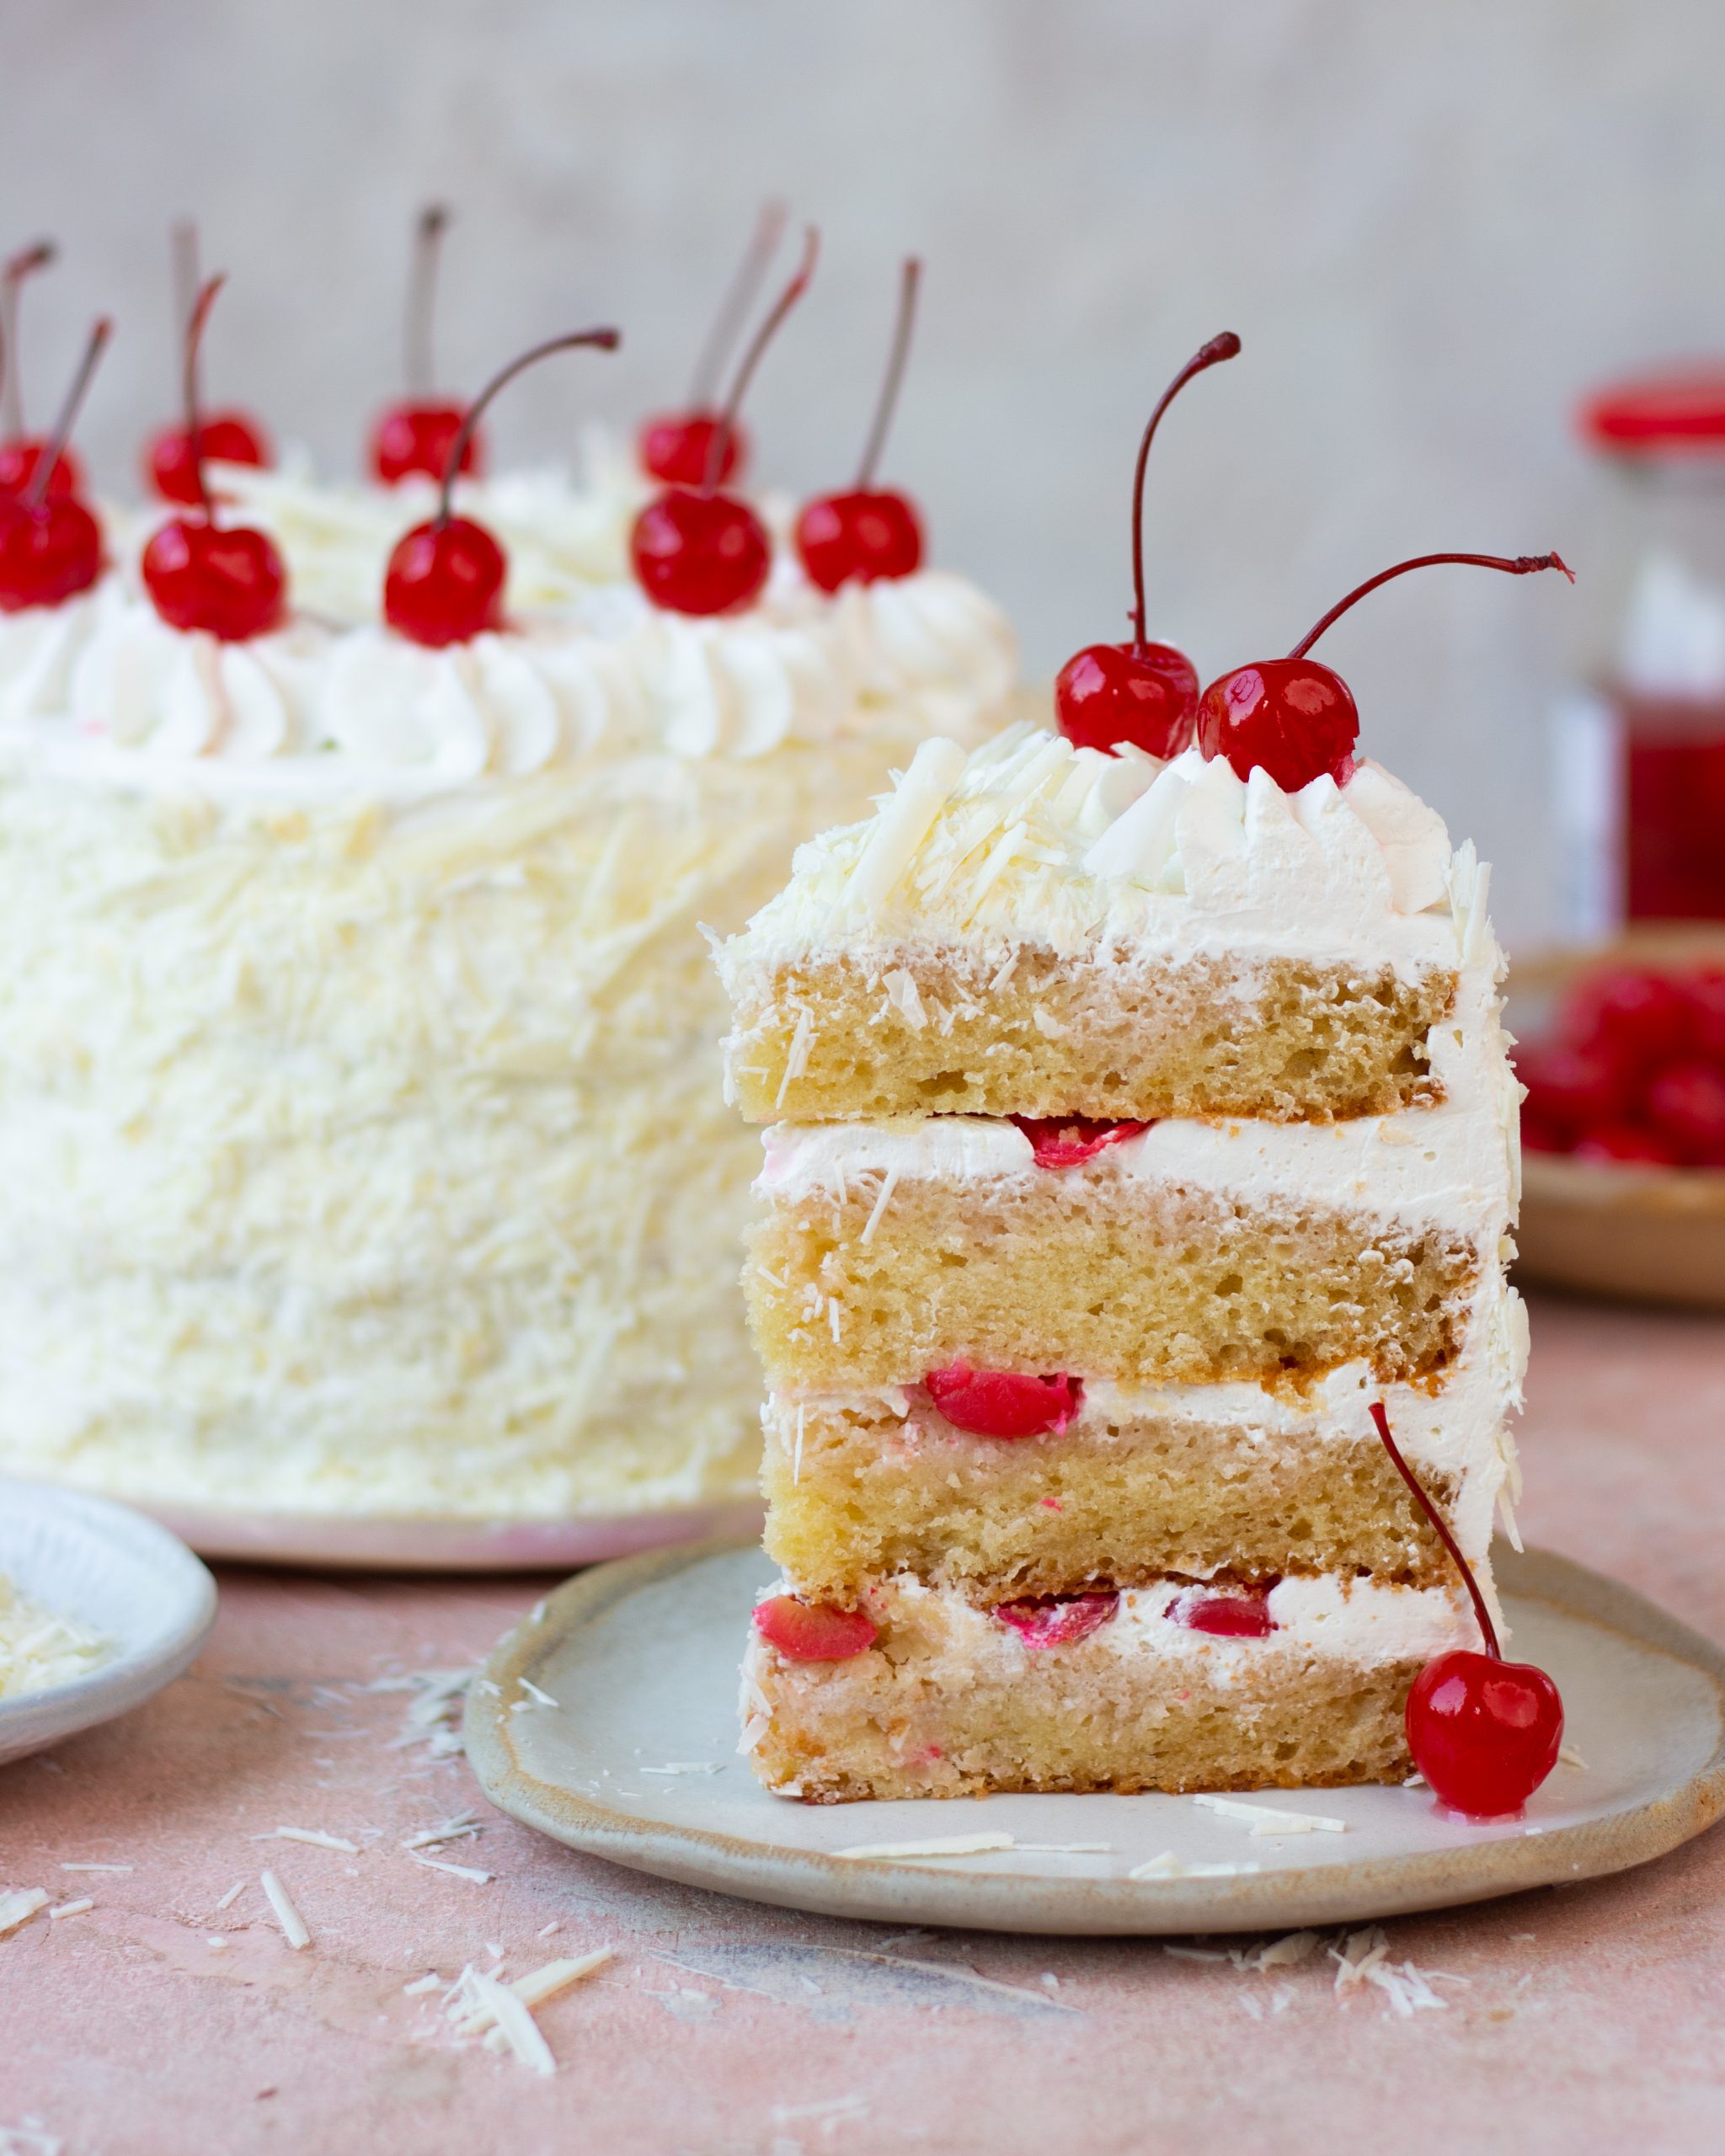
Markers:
(1430, 224)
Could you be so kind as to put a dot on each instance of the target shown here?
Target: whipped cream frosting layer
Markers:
(561, 535)
(313, 707)
(1030, 840)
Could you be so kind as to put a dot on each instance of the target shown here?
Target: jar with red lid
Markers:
(1641, 771)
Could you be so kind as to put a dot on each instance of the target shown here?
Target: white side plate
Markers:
(432, 1544)
(119, 1573)
(642, 1659)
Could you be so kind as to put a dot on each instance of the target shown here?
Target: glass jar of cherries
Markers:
(1641, 766)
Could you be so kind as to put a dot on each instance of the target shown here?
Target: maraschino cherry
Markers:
(1140, 692)
(813, 1631)
(1484, 1732)
(1004, 1403)
(226, 580)
(21, 453)
(1067, 1141)
(415, 435)
(1296, 719)
(50, 545)
(1227, 1612)
(869, 533)
(445, 580)
(173, 461)
(701, 551)
(1056, 1620)
(677, 446)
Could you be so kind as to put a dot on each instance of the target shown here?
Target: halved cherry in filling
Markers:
(813, 1631)
(1055, 1620)
(1004, 1403)
(1063, 1141)
(1230, 1612)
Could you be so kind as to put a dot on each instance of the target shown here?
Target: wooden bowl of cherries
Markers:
(1622, 1052)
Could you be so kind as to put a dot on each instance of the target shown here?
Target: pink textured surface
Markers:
(1589, 2019)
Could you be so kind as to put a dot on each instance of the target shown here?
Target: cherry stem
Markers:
(1521, 565)
(1225, 347)
(184, 244)
(48, 461)
(189, 382)
(422, 296)
(23, 264)
(751, 358)
(734, 307)
(1441, 1525)
(909, 279)
(608, 340)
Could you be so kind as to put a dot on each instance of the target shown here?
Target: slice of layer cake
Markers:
(1144, 1127)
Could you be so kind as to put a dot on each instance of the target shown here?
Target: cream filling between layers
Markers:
(1358, 1621)
(1461, 1430)
(1450, 1163)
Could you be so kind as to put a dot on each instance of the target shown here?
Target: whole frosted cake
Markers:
(360, 1121)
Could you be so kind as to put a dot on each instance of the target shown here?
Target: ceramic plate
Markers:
(436, 1545)
(637, 1761)
(119, 1573)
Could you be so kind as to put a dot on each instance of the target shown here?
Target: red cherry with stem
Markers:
(706, 552)
(228, 581)
(1064, 1141)
(1140, 692)
(1003, 1404)
(443, 583)
(869, 533)
(50, 546)
(173, 460)
(20, 453)
(678, 447)
(1484, 1732)
(1296, 719)
(1235, 1613)
(813, 1631)
(1056, 1620)
(416, 434)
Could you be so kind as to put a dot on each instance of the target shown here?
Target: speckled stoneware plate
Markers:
(436, 1545)
(120, 1574)
(637, 1761)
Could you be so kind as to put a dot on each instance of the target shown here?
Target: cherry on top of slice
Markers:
(1295, 718)
(1138, 691)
